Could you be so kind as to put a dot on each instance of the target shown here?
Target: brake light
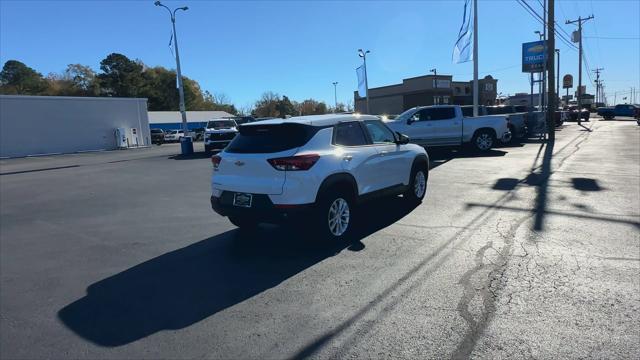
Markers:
(215, 160)
(294, 163)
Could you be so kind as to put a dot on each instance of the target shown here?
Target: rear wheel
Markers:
(243, 222)
(483, 140)
(418, 185)
(334, 217)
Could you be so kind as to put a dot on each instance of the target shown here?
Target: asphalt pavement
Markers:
(531, 250)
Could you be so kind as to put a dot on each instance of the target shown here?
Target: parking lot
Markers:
(531, 250)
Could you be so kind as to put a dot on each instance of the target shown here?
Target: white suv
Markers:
(314, 169)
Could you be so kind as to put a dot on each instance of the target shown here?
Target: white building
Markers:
(33, 125)
(172, 120)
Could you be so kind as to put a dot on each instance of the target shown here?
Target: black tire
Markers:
(207, 149)
(244, 223)
(483, 140)
(414, 194)
(330, 201)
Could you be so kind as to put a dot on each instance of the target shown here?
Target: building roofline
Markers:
(85, 98)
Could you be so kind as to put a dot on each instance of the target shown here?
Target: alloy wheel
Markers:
(338, 217)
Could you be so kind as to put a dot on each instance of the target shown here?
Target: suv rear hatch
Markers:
(244, 165)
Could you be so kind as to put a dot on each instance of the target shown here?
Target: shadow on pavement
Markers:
(185, 286)
(196, 155)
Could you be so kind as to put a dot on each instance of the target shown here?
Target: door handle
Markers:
(347, 158)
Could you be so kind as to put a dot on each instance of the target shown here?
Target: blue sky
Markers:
(298, 48)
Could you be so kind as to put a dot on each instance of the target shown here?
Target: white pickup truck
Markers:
(445, 125)
(219, 133)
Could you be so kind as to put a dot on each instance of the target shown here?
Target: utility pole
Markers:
(598, 91)
(335, 96)
(435, 83)
(579, 22)
(551, 102)
(541, 75)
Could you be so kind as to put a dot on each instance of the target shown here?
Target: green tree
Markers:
(18, 78)
(312, 107)
(267, 105)
(285, 107)
(83, 80)
(120, 76)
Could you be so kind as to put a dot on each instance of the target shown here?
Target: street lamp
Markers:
(363, 55)
(335, 96)
(186, 139)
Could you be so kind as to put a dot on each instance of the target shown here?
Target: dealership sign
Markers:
(567, 81)
(533, 56)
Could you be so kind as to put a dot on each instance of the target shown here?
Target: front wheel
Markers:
(483, 140)
(417, 186)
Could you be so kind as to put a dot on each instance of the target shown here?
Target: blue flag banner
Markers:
(463, 50)
(362, 87)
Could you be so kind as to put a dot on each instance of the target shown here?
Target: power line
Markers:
(612, 37)
(539, 18)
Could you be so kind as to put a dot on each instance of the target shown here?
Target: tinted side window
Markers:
(437, 114)
(349, 134)
(379, 133)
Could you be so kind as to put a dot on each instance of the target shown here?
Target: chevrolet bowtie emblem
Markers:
(239, 163)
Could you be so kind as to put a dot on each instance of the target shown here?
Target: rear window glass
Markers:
(271, 138)
(467, 111)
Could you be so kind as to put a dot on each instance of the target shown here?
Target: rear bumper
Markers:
(262, 209)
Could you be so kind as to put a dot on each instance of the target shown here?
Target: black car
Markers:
(157, 136)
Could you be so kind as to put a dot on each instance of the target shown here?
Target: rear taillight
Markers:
(294, 163)
(215, 160)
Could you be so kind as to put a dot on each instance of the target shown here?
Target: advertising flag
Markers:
(463, 49)
(362, 88)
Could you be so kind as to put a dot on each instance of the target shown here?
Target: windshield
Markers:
(405, 115)
(221, 124)
(156, 131)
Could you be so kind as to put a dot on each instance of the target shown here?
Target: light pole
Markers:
(363, 55)
(335, 96)
(558, 76)
(183, 112)
(435, 81)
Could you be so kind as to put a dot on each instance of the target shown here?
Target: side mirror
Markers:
(402, 139)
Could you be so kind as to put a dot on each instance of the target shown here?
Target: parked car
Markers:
(517, 119)
(574, 113)
(609, 113)
(173, 135)
(219, 134)
(157, 136)
(319, 166)
(445, 125)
